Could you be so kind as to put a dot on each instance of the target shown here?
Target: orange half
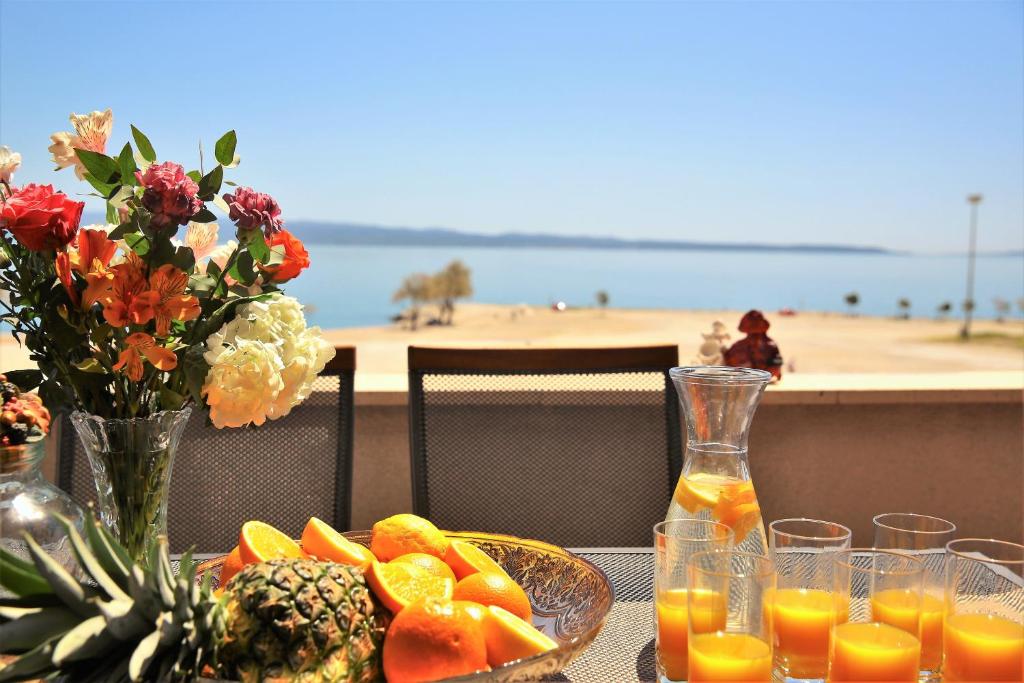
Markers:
(322, 541)
(509, 638)
(465, 559)
(231, 566)
(260, 542)
(399, 584)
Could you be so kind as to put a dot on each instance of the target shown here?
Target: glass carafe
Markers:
(718, 404)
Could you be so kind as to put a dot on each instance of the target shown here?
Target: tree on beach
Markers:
(945, 308)
(1002, 309)
(967, 307)
(852, 299)
(904, 304)
(451, 284)
(602, 298)
(418, 289)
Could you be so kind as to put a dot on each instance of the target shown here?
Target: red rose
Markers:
(250, 210)
(40, 218)
(170, 194)
(296, 258)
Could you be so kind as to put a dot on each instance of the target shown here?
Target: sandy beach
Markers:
(810, 342)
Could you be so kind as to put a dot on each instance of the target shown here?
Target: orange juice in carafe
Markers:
(718, 404)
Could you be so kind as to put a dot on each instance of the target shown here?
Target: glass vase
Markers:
(28, 503)
(131, 462)
(718, 404)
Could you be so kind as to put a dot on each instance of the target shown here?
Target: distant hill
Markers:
(316, 232)
(320, 232)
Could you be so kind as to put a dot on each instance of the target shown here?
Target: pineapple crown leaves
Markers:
(128, 622)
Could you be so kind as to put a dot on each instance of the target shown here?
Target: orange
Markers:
(399, 584)
(697, 492)
(465, 559)
(494, 589)
(260, 542)
(405, 533)
(322, 541)
(232, 565)
(738, 509)
(432, 640)
(510, 638)
(430, 563)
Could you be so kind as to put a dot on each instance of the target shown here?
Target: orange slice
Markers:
(399, 584)
(465, 559)
(322, 541)
(430, 563)
(698, 491)
(232, 565)
(260, 542)
(509, 638)
(491, 588)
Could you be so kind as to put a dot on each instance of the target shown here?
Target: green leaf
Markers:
(224, 150)
(120, 198)
(111, 214)
(19, 577)
(102, 167)
(170, 399)
(204, 215)
(184, 258)
(244, 269)
(35, 626)
(103, 188)
(195, 175)
(257, 246)
(144, 145)
(126, 164)
(196, 368)
(209, 184)
(90, 365)
(120, 231)
(26, 380)
(138, 243)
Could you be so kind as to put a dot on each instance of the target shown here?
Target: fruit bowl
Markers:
(570, 598)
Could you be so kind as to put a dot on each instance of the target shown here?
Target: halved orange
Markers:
(698, 491)
(465, 559)
(509, 638)
(232, 565)
(399, 584)
(429, 562)
(322, 541)
(491, 588)
(260, 542)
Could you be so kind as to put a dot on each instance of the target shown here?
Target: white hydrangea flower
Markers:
(243, 383)
(278, 326)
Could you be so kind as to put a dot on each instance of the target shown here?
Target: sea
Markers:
(351, 286)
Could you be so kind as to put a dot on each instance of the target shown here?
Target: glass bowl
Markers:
(570, 598)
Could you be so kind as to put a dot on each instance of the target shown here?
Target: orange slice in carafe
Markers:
(738, 509)
(698, 491)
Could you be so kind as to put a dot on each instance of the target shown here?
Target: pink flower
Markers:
(250, 210)
(170, 194)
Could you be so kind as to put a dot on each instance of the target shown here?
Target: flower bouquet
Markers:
(131, 326)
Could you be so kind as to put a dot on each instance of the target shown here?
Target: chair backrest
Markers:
(580, 447)
(282, 472)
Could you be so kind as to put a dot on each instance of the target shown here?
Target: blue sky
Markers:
(860, 122)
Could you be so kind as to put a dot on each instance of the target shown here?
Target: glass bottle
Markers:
(718, 404)
(27, 504)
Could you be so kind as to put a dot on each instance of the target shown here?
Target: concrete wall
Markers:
(842, 457)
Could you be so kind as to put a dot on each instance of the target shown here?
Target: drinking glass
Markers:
(674, 542)
(925, 538)
(983, 632)
(801, 606)
(879, 592)
(731, 639)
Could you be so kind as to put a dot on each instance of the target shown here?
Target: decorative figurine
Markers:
(712, 349)
(757, 349)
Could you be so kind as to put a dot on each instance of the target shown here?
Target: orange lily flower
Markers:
(93, 245)
(100, 281)
(141, 345)
(168, 283)
(129, 300)
(62, 264)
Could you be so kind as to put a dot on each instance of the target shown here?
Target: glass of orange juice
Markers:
(925, 538)
(868, 583)
(801, 606)
(733, 639)
(983, 629)
(674, 542)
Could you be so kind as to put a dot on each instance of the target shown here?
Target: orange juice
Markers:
(902, 609)
(983, 647)
(801, 621)
(732, 657)
(673, 625)
(873, 652)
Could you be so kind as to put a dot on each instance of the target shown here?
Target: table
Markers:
(624, 650)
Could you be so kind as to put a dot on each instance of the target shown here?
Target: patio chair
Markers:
(579, 447)
(282, 472)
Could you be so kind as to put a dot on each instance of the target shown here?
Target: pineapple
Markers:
(284, 620)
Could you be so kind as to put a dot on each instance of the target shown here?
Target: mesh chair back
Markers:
(579, 447)
(282, 472)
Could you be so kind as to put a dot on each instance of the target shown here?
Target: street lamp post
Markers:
(973, 200)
